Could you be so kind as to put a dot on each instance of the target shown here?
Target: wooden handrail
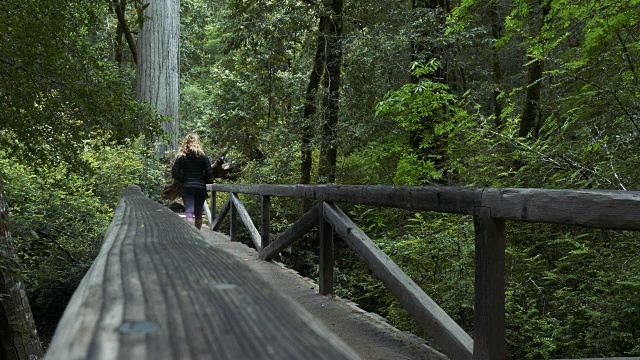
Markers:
(157, 290)
(605, 209)
(490, 207)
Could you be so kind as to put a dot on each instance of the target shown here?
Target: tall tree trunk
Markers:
(118, 46)
(18, 335)
(331, 103)
(310, 108)
(530, 122)
(421, 54)
(496, 70)
(157, 78)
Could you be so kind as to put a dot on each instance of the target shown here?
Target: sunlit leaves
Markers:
(58, 85)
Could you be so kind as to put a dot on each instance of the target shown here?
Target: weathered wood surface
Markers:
(307, 222)
(205, 207)
(326, 259)
(233, 220)
(455, 342)
(265, 220)
(214, 207)
(223, 212)
(489, 331)
(248, 223)
(459, 200)
(610, 209)
(158, 291)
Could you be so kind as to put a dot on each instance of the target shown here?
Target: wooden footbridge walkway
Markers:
(159, 290)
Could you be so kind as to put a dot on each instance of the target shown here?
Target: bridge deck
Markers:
(370, 337)
(157, 291)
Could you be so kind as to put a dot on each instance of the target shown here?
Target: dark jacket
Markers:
(191, 170)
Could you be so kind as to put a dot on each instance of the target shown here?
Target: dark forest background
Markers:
(504, 93)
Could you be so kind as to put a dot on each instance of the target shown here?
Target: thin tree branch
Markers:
(125, 27)
(22, 68)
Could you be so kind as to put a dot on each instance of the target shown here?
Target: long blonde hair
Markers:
(191, 144)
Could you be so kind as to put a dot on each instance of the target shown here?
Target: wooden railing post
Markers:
(325, 232)
(214, 207)
(265, 224)
(489, 334)
(233, 220)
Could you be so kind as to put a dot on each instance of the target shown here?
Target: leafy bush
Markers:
(59, 214)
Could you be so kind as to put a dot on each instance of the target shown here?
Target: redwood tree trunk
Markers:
(157, 78)
(530, 122)
(310, 109)
(18, 335)
(331, 107)
(422, 54)
(496, 74)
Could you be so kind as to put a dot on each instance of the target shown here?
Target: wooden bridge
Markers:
(158, 291)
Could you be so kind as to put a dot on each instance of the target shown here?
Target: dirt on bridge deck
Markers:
(368, 334)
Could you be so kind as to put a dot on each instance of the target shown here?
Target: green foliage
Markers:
(245, 68)
(114, 167)
(59, 87)
(429, 111)
(59, 215)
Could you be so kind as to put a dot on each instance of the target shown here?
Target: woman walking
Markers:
(192, 168)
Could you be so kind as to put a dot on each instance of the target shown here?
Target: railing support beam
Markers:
(326, 253)
(246, 220)
(233, 219)
(214, 207)
(217, 221)
(455, 342)
(489, 332)
(300, 228)
(265, 224)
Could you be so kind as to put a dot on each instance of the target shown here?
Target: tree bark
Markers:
(157, 78)
(420, 54)
(310, 109)
(123, 27)
(18, 335)
(331, 103)
(530, 122)
(117, 51)
(496, 70)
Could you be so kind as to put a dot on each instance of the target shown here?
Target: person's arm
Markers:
(175, 170)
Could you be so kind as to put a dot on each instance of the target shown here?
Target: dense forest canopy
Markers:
(497, 93)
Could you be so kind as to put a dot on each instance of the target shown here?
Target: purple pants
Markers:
(193, 199)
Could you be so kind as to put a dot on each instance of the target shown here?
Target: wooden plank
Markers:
(233, 219)
(214, 206)
(157, 290)
(326, 254)
(301, 227)
(597, 209)
(265, 220)
(223, 212)
(448, 199)
(600, 209)
(246, 219)
(489, 332)
(205, 207)
(455, 342)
